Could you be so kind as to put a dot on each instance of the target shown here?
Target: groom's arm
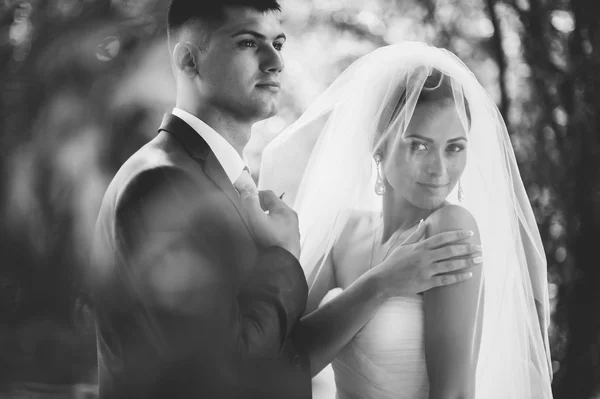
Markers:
(181, 264)
(271, 302)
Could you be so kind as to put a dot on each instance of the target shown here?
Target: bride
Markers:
(407, 135)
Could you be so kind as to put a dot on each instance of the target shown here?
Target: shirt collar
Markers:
(227, 156)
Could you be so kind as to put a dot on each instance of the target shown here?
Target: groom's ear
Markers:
(185, 59)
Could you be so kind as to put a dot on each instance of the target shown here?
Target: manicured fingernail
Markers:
(478, 260)
(469, 275)
(477, 247)
(469, 233)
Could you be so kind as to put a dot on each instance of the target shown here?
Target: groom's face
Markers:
(239, 71)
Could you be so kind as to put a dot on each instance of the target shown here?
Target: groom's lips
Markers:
(269, 85)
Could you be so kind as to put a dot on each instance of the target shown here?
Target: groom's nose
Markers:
(271, 60)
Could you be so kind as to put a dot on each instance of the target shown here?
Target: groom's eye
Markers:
(247, 43)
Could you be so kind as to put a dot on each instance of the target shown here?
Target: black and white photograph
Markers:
(297, 199)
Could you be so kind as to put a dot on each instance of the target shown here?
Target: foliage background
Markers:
(84, 83)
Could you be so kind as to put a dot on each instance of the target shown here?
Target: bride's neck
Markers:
(399, 214)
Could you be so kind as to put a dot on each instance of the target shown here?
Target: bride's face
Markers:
(425, 165)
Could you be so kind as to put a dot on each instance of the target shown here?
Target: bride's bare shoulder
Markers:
(451, 217)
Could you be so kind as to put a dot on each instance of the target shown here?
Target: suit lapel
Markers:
(199, 150)
(193, 143)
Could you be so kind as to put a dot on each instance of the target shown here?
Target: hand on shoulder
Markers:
(453, 217)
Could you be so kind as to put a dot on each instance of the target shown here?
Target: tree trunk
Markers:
(574, 179)
(581, 367)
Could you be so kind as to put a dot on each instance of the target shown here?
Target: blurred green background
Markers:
(84, 83)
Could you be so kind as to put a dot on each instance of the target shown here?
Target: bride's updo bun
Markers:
(434, 81)
(437, 88)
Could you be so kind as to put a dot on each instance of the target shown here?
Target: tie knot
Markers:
(245, 183)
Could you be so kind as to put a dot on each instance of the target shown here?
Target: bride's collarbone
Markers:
(351, 257)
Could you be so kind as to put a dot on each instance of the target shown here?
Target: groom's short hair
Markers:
(204, 15)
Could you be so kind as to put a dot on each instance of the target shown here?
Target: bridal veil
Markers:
(324, 163)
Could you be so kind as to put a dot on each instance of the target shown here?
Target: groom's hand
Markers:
(416, 266)
(272, 222)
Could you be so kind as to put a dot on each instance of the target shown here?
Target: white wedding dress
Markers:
(386, 359)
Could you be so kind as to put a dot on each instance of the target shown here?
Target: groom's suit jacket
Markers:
(187, 304)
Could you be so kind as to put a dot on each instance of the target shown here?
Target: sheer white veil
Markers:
(324, 164)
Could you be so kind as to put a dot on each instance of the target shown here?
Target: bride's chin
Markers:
(429, 204)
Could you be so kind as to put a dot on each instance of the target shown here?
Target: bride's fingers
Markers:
(449, 279)
(455, 251)
(445, 238)
(440, 268)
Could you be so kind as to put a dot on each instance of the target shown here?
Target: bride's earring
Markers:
(379, 184)
(461, 193)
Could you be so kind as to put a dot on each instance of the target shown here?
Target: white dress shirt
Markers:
(229, 159)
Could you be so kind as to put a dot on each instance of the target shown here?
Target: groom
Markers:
(198, 290)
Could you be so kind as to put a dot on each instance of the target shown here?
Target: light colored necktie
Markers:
(245, 183)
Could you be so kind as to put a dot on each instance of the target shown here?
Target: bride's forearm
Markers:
(330, 327)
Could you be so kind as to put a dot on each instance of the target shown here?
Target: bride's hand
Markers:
(416, 266)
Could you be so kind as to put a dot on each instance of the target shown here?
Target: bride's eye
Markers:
(418, 146)
(455, 148)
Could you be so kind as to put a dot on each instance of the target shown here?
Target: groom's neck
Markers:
(237, 133)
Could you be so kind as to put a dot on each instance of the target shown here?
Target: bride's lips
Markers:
(432, 186)
(270, 85)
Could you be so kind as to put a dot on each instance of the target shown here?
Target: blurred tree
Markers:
(62, 139)
(561, 45)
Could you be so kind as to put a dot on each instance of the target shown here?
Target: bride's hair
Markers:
(438, 88)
